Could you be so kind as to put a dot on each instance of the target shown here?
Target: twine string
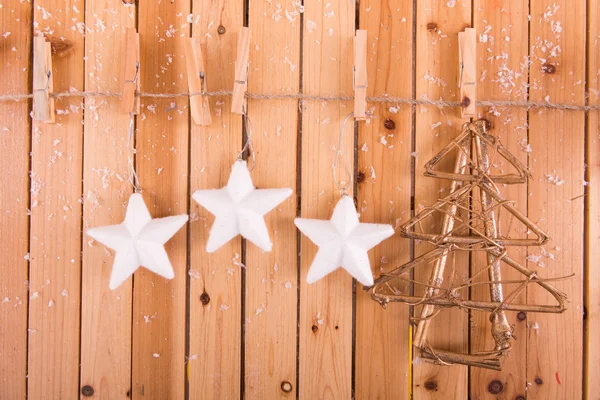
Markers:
(343, 186)
(307, 97)
(133, 178)
(248, 146)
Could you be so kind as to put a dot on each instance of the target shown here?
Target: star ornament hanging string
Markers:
(343, 241)
(139, 240)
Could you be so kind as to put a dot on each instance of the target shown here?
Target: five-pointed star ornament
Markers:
(239, 208)
(139, 241)
(343, 242)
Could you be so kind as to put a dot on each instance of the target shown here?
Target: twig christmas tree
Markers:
(470, 222)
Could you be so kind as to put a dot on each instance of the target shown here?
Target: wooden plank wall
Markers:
(326, 307)
(554, 344)
(437, 28)
(502, 78)
(241, 323)
(592, 226)
(105, 315)
(162, 148)
(215, 298)
(56, 206)
(271, 297)
(381, 361)
(15, 145)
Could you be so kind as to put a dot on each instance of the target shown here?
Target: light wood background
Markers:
(222, 331)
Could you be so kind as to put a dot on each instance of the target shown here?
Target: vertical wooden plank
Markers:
(105, 314)
(555, 344)
(592, 208)
(215, 278)
(271, 278)
(502, 75)
(438, 24)
(15, 135)
(325, 306)
(159, 305)
(384, 159)
(55, 247)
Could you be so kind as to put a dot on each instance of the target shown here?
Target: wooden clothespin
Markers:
(130, 103)
(467, 68)
(43, 85)
(360, 74)
(194, 61)
(241, 71)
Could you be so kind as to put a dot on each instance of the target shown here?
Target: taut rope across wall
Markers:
(308, 97)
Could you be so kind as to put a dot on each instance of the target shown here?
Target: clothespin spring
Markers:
(461, 67)
(48, 76)
(204, 87)
(245, 81)
(135, 78)
(354, 85)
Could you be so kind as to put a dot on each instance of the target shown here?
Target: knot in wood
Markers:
(87, 391)
(495, 387)
(286, 386)
(430, 385)
(60, 47)
(204, 298)
(360, 177)
(538, 380)
(221, 30)
(389, 124)
(431, 26)
(548, 68)
(466, 102)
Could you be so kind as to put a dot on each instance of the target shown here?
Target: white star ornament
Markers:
(239, 208)
(139, 241)
(343, 242)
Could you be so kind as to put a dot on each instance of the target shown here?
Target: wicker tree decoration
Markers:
(470, 222)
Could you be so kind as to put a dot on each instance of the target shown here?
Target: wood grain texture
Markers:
(215, 278)
(325, 306)
(15, 140)
(384, 158)
(271, 278)
(504, 27)
(555, 344)
(592, 210)
(437, 76)
(159, 305)
(55, 241)
(59, 180)
(105, 314)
